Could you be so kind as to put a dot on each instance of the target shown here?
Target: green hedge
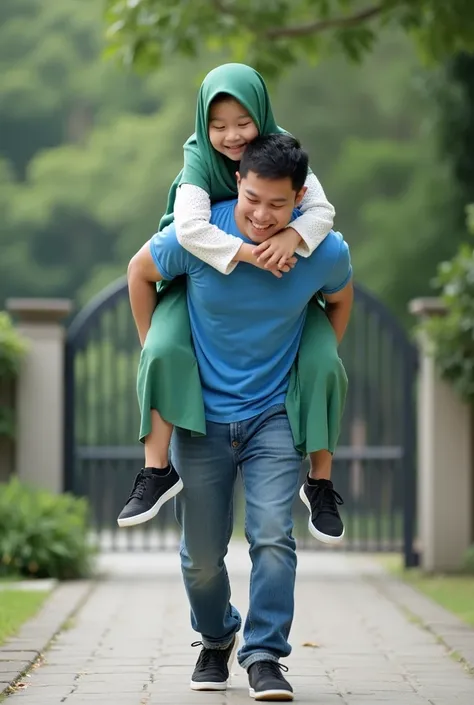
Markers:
(452, 335)
(43, 535)
(12, 349)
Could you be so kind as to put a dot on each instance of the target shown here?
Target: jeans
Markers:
(262, 449)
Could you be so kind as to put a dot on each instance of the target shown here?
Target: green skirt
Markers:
(168, 375)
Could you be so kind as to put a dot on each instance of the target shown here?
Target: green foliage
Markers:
(274, 34)
(43, 535)
(380, 164)
(452, 335)
(85, 158)
(88, 150)
(7, 422)
(12, 348)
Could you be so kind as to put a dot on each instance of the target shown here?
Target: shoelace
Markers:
(327, 498)
(206, 654)
(271, 668)
(138, 487)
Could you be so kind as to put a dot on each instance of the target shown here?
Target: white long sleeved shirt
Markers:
(192, 213)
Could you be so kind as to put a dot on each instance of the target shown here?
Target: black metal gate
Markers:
(374, 467)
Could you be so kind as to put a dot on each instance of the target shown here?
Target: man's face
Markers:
(264, 206)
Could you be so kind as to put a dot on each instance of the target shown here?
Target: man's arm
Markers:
(142, 275)
(338, 309)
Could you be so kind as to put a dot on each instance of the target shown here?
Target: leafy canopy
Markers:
(274, 34)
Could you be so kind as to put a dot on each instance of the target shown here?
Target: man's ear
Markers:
(239, 179)
(300, 196)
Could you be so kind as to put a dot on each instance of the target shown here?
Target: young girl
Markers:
(233, 108)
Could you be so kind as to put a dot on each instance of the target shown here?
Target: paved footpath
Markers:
(353, 642)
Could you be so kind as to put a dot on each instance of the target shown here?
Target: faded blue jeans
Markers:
(262, 449)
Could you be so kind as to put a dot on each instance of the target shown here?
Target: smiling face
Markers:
(230, 128)
(264, 206)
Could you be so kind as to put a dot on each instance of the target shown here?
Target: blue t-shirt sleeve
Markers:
(170, 258)
(341, 272)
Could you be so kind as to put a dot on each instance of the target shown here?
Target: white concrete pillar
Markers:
(445, 492)
(40, 391)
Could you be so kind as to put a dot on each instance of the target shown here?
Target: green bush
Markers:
(12, 349)
(452, 335)
(43, 535)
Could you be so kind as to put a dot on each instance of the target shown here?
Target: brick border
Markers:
(447, 629)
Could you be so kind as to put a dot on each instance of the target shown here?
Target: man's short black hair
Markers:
(276, 156)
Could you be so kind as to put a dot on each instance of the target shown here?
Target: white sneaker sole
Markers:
(153, 511)
(324, 538)
(208, 685)
(272, 695)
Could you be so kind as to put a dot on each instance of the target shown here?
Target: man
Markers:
(246, 331)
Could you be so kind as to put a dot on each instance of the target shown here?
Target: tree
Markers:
(371, 135)
(84, 167)
(53, 87)
(274, 34)
(88, 151)
(454, 92)
(86, 208)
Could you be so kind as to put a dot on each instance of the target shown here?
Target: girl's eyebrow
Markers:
(221, 119)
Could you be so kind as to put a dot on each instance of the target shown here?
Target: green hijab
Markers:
(203, 165)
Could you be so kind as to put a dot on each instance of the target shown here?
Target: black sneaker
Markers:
(324, 522)
(266, 681)
(148, 495)
(212, 671)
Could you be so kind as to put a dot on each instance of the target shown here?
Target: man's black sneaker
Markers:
(266, 681)
(213, 667)
(321, 500)
(150, 491)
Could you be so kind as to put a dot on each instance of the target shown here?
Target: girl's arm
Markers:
(317, 217)
(304, 234)
(192, 213)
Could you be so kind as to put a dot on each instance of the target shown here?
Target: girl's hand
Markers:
(245, 254)
(278, 250)
(280, 270)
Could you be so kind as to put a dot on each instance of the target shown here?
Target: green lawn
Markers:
(453, 592)
(17, 606)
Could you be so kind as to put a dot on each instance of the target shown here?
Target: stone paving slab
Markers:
(19, 653)
(353, 643)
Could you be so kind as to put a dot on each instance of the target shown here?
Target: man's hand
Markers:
(278, 250)
(245, 254)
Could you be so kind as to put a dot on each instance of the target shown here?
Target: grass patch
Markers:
(16, 607)
(453, 592)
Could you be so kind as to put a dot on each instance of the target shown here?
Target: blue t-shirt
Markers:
(247, 325)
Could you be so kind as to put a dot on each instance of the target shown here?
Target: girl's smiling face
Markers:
(230, 127)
